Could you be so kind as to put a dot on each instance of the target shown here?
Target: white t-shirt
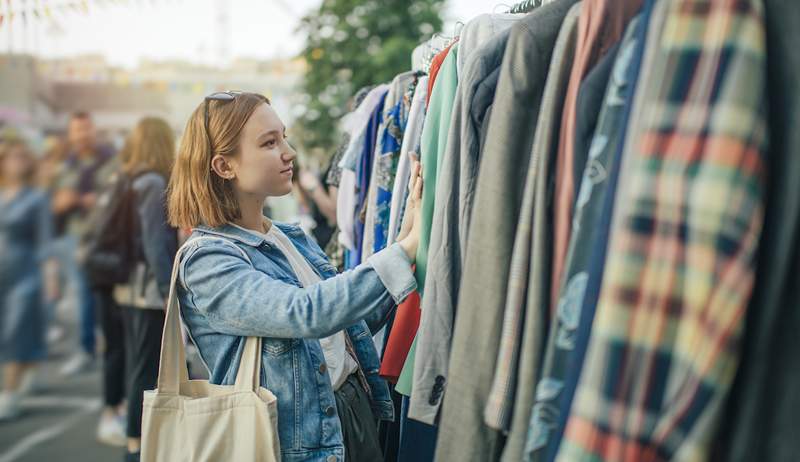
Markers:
(338, 360)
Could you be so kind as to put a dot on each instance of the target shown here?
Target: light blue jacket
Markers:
(225, 298)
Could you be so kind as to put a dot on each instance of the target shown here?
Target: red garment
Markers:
(436, 64)
(404, 328)
(600, 26)
(406, 320)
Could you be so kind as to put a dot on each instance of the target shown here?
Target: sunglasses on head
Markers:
(217, 96)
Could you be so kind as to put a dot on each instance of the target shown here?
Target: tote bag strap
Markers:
(247, 378)
(172, 370)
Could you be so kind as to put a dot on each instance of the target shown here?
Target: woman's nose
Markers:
(289, 154)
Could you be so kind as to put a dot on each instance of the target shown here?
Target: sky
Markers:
(126, 31)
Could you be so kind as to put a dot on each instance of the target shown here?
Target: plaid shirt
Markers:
(680, 267)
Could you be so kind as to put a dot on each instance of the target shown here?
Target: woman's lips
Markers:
(288, 172)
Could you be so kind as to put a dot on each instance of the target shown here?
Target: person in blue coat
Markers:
(28, 276)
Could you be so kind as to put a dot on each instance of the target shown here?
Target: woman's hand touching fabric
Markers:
(409, 234)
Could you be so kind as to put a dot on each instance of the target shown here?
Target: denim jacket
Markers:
(224, 298)
(156, 242)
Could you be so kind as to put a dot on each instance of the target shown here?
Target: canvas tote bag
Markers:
(195, 421)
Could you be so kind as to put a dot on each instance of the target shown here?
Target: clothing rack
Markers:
(432, 50)
(525, 6)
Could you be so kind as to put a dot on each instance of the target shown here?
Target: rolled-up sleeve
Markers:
(394, 270)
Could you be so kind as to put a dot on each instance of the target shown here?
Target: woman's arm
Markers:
(44, 239)
(240, 300)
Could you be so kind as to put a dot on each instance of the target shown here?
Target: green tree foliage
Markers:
(353, 43)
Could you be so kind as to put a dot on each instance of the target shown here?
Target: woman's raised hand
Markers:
(409, 234)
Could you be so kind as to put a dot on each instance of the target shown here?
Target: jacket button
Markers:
(331, 411)
(331, 459)
(434, 400)
(439, 380)
(322, 369)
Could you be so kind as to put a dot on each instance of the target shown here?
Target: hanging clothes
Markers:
(346, 201)
(417, 435)
(348, 126)
(601, 25)
(503, 164)
(477, 32)
(364, 184)
(680, 265)
(434, 137)
(434, 141)
(514, 381)
(413, 303)
(646, 35)
(406, 320)
(398, 345)
(411, 141)
(395, 122)
(587, 224)
(384, 168)
(510, 399)
(761, 415)
(436, 65)
(459, 166)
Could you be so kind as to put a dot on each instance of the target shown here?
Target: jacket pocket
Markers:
(277, 346)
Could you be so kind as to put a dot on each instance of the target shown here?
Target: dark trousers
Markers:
(359, 426)
(143, 330)
(114, 356)
(417, 439)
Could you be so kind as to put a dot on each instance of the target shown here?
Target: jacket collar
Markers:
(253, 240)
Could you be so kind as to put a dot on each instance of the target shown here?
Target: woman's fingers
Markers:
(418, 188)
(415, 172)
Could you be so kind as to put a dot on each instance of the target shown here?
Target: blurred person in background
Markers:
(317, 202)
(74, 194)
(52, 161)
(88, 167)
(147, 159)
(50, 165)
(28, 274)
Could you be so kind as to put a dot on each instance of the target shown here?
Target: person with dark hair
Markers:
(86, 169)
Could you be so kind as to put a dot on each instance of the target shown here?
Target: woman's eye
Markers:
(269, 144)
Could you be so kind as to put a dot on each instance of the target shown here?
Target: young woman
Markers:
(250, 276)
(147, 158)
(28, 276)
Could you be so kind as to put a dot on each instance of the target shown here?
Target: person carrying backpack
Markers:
(146, 251)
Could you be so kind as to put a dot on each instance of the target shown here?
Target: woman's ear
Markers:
(221, 166)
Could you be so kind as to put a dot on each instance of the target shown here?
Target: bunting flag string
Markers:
(47, 10)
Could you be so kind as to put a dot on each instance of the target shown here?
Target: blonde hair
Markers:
(196, 193)
(150, 147)
(6, 146)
